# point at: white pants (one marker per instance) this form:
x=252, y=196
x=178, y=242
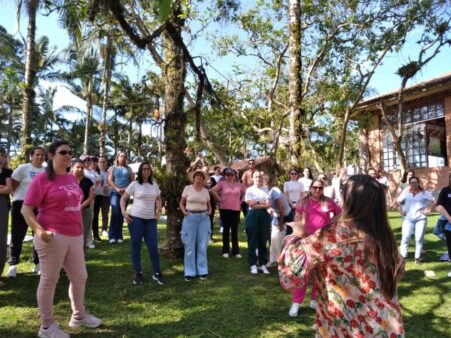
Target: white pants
x=277, y=237
x=408, y=227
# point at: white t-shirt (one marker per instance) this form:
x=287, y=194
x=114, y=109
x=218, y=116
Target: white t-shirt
x=383, y=180
x=294, y=189
x=414, y=204
x=24, y=174
x=92, y=175
x=307, y=182
x=144, y=197
x=256, y=194
x=103, y=183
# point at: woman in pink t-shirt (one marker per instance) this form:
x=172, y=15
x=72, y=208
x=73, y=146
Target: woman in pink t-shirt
x=58, y=239
x=317, y=211
x=229, y=193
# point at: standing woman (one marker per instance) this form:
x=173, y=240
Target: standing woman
x=142, y=221
x=316, y=209
x=229, y=194
x=120, y=176
x=87, y=187
x=196, y=208
x=307, y=179
x=21, y=179
x=416, y=201
x=5, y=190
x=355, y=264
x=102, y=201
x=58, y=239
x=293, y=191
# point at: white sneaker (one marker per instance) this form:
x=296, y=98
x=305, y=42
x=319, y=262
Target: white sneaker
x=104, y=234
x=112, y=241
x=254, y=270
x=12, y=271
x=225, y=255
x=87, y=321
x=313, y=304
x=238, y=256
x=294, y=310
x=449, y=274
x=120, y=240
x=221, y=230
x=36, y=269
x=52, y=331
x=91, y=246
x=263, y=269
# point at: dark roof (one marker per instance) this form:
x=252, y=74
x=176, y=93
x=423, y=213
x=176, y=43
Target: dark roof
x=243, y=165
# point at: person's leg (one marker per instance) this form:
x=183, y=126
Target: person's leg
x=225, y=215
x=86, y=217
x=51, y=258
x=244, y=209
x=18, y=231
x=4, y=214
x=115, y=211
x=407, y=229
x=252, y=233
x=95, y=217
x=105, y=206
x=203, y=235
x=75, y=267
x=136, y=229
x=298, y=294
x=447, y=234
x=420, y=230
x=276, y=243
x=189, y=235
x=234, y=222
x=263, y=236
x=120, y=222
x=151, y=238
x=212, y=216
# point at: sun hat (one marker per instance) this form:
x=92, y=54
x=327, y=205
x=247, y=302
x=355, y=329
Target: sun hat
x=192, y=173
x=85, y=157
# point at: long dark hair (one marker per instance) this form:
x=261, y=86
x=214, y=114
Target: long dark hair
x=33, y=150
x=323, y=199
x=310, y=175
x=364, y=207
x=404, y=176
x=140, y=173
x=52, y=150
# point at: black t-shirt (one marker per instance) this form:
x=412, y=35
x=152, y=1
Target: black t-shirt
x=444, y=199
x=85, y=185
x=6, y=172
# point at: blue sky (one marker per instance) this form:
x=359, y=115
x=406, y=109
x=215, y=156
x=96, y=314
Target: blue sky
x=384, y=80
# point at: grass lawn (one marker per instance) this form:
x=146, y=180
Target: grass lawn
x=230, y=303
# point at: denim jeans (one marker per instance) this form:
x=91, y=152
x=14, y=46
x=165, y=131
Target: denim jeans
x=117, y=220
x=408, y=227
x=146, y=228
x=195, y=235
x=257, y=229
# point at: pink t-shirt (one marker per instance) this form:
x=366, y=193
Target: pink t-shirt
x=316, y=214
x=231, y=197
x=58, y=203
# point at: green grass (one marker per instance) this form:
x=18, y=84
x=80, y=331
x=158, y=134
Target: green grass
x=230, y=303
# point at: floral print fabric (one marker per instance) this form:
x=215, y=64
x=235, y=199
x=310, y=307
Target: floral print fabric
x=350, y=300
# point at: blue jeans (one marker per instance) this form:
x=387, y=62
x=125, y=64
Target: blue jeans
x=408, y=227
x=195, y=235
x=117, y=220
x=146, y=228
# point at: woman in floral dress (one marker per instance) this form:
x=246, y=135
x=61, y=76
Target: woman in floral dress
x=355, y=264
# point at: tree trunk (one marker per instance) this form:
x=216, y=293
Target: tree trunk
x=88, y=119
x=295, y=80
x=175, y=140
x=106, y=92
x=30, y=75
x=129, y=134
x=10, y=127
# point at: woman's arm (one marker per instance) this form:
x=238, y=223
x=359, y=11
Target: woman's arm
x=122, y=203
x=14, y=185
x=159, y=207
x=215, y=192
x=182, y=206
x=7, y=188
x=91, y=197
x=29, y=216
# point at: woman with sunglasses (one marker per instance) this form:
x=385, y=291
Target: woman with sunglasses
x=317, y=211
x=58, y=239
x=418, y=202
x=229, y=193
x=355, y=264
x=293, y=190
x=142, y=221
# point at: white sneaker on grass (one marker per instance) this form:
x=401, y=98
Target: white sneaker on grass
x=120, y=240
x=87, y=321
x=254, y=270
x=90, y=246
x=225, y=255
x=294, y=310
x=263, y=269
x=313, y=304
x=53, y=331
x=12, y=271
x=36, y=269
x=104, y=234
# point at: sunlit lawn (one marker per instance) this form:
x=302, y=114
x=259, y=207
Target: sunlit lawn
x=231, y=303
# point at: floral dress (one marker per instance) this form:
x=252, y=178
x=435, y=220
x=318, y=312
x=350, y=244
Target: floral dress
x=350, y=299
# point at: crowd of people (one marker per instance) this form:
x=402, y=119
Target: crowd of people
x=320, y=231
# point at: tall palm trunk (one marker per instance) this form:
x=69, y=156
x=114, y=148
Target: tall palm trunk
x=10, y=126
x=106, y=92
x=88, y=118
x=295, y=81
x=30, y=75
x=175, y=142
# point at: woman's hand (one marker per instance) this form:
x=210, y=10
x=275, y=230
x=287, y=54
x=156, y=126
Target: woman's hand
x=46, y=236
x=127, y=217
x=157, y=214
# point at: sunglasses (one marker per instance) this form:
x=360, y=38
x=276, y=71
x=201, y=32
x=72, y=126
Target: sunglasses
x=251, y=163
x=64, y=152
x=317, y=188
x=293, y=173
x=229, y=174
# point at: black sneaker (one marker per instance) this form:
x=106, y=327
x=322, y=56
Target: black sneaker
x=159, y=278
x=138, y=279
x=203, y=277
x=188, y=278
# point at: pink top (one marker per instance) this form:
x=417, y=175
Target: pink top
x=231, y=197
x=58, y=203
x=316, y=214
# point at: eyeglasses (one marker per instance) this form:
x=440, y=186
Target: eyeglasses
x=293, y=173
x=64, y=152
x=321, y=178
x=251, y=163
x=414, y=182
x=145, y=169
x=229, y=174
x=317, y=188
